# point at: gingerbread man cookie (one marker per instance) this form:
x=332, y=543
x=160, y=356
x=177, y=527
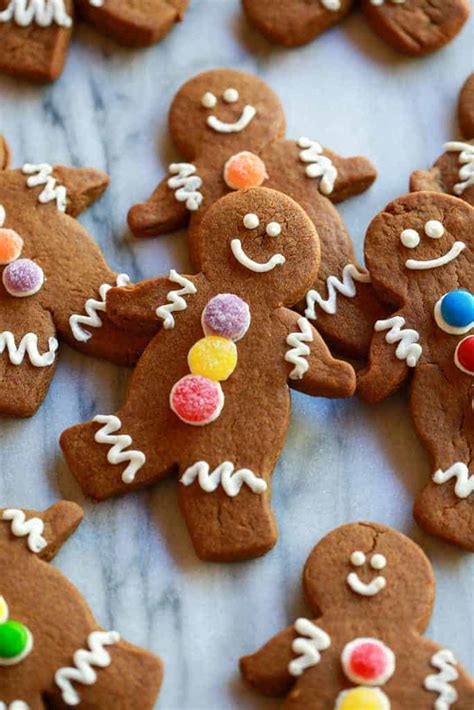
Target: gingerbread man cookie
x=53, y=282
x=371, y=591
x=35, y=34
x=209, y=397
x=229, y=126
x=453, y=172
x=52, y=652
x=420, y=251
x=410, y=26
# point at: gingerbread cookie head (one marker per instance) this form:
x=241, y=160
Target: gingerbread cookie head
x=50, y=645
x=419, y=246
x=416, y=27
x=225, y=110
x=365, y=569
x=261, y=242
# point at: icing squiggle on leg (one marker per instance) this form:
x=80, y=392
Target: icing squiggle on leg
x=464, y=483
x=28, y=346
x=225, y=474
x=93, y=307
x=346, y=288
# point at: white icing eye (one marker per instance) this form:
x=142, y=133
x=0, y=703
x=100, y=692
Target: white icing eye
x=208, y=100
x=410, y=238
x=378, y=561
x=251, y=221
x=273, y=229
x=230, y=96
x=434, y=229
x=358, y=559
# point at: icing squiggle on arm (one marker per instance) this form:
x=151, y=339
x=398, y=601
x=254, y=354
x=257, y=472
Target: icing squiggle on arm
x=93, y=307
x=186, y=185
x=43, y=13
x=120, y=442
x=464, y=483
x=466, y=161
x=175, y=298
x=299, y=350
x=84, y=660
x=440, y=683
x=225, y=474
x=42, y=175
x=32, y=528
x=28, y=346
x=346, y=288
x=319, y=165
x=309, y=647
x=408, y=348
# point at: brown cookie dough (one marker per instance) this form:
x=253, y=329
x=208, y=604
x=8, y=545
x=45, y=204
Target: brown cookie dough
x=230, y=128
x=53, y=282
x=371, y=591
x=295, y=22
x=420, y=254
x=210, y=398
x=453, y=172
x=52, y=652
x=417, y=27
x=4, y=154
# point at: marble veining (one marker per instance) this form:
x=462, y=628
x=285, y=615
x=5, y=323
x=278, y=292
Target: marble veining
x=343, y=461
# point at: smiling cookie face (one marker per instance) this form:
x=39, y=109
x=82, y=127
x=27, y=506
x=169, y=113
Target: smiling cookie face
x=364, y=569
x=263, y=241
x=422, y=238
x=225, y=108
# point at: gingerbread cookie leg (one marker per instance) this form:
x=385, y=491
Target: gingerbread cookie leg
x=446, y=426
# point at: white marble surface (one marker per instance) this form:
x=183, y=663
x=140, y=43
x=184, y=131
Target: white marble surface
x=343, y=461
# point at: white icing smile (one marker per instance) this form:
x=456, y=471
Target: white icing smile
x=247, y=115
x=452, y=254
x=242, y=258
x=377, y=562
x=434, y=229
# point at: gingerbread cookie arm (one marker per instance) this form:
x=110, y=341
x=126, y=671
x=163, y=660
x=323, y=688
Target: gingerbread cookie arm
x=267, y=670
x=313, y=370
x=354, y=176
x=4, y=154
x=466, y=108
x=84, y=186
x=42, y=534
x=160, y=214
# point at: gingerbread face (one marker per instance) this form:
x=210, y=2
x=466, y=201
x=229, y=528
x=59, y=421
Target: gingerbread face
x=223, y=109
x=424, y=238
x=260, y=241
x=364, y=569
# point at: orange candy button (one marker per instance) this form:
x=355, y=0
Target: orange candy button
x=244, y=170
x=11, y=245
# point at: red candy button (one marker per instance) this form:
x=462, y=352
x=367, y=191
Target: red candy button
x=197, y=400
x=464, y=356
x=368, y=661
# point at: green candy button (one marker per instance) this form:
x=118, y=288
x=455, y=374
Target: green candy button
x=13, y=639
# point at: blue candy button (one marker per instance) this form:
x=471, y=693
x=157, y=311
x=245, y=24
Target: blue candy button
x=457, y=309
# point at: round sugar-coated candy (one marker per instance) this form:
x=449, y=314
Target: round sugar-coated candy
x=457, y=308
x=213, y=357
x=23, y=278
x=14, y=641
x=11, y=246
x=362, y=699
x=464, y=357
x=368, y=661
x=244, y=170
x=226, y=315
x=197, y=400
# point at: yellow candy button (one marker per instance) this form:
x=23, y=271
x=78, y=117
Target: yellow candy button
x=363, y=699
x=213, y=357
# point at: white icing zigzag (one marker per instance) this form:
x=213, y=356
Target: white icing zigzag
x=3, y=215
x=28, y=346
x=346, y=288
x=42, y=12
x=177, y=303
x=407, y=339
x=42, y=175
x=119, y=442
x=464, y=484
x=15, y=705
x=225, y=474
x=440, y=682
x=319, y=165
x=93, y=307
x=299, y=350
x=308, y=648
x=186, y=185
x=33, y=528
x=466, y=160
x=83, y=661
x=333, y=5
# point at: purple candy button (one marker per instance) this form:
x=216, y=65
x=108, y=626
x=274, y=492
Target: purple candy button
x=226, y=315
x=23, y=278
